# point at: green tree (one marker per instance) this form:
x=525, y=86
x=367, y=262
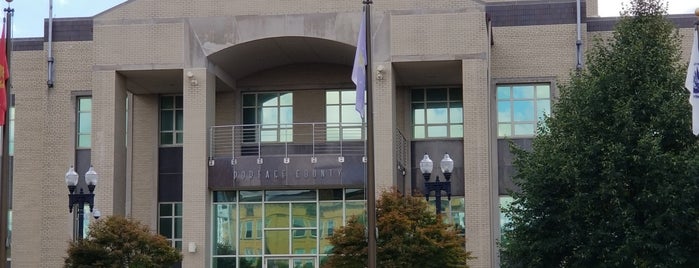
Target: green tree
x=612, y=180
x=120, y=242
x=410, y=235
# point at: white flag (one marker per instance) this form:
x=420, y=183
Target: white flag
x=692, y=84
x=359, y=68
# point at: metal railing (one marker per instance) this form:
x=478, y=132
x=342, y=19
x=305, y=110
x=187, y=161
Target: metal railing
x=287, y=139
x=401, y=150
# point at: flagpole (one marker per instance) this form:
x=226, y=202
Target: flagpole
x=5, y=165
x=371, y=186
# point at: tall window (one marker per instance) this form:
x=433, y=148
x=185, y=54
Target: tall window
x=521, y=107
x=84, y=131
x=437, y=113
x=170, y=223
x=269, y=115
x=343, y=121
x=171, y=120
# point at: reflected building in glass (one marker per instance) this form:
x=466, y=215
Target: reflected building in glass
x=230, y=127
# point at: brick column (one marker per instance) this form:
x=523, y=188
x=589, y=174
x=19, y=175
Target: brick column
x=199, y=113
x=477, y=155
x=384, y=126
x=144, y=159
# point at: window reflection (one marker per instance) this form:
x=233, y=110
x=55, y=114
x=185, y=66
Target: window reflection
x=250, y=228
x=273, y=112
x=277, y=215
x=224, y=229
x=523, y=111
x=84, y=124
x=277, y=242
x=344, y=122
x=505, y=203
x=523, y=92
x=330, y=213
x=436, y=112
x=170, y=222
x=254, y=226
x=521, y=107
x=171, y=120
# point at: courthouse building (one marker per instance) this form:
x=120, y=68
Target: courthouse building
x=229, y=126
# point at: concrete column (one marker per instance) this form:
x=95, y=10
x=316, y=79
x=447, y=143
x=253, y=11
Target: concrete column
x=109, y=141
x=199, y=114
x=477, y=155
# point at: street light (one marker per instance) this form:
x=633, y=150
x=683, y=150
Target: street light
x=447, y=166
x=80, y=199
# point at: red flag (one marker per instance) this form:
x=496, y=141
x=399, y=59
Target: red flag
x=4, y=75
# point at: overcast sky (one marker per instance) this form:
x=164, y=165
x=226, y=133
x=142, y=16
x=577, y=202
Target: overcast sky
x=28, y=20
x=611, y=8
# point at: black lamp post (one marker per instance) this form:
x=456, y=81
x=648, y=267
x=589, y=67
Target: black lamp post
x=79, y=200
x=447, y=166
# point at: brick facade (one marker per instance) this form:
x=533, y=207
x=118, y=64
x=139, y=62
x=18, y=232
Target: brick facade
x=144, y=48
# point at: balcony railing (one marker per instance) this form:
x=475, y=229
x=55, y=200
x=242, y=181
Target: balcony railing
x=233, y=141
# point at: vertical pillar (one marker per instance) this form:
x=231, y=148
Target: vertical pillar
x=384, y=126
x=144, y=159
x=109, y=141
x=477, y=170
x=199, y=113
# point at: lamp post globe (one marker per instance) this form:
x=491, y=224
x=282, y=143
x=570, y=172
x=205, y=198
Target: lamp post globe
x=447, y=166
x=71, y=179
x=78, y=199
x=426, y=166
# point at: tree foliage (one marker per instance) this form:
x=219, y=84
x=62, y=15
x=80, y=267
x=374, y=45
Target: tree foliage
x=120, y=242
x=410, y=235
x=612, y=177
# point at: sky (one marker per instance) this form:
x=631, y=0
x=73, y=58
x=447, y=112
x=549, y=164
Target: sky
x=28, y=20
x=611, y=8
x=29, y=15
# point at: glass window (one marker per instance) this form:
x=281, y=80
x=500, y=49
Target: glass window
x=457, y=211
x=505, y=202
x=520, y=107
x=171, y=120
x=277, y=215
x=291, y=195
x=355, y=209
x=250, y=218
x=329, y=214
x=250, y=226
x=437, y=113
x=330, y=194
x=84, y=122
x=271, y=114
x=343, y=121
x=277, y=241
x=170, y=222
x=250, y=196
x=224, y=228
